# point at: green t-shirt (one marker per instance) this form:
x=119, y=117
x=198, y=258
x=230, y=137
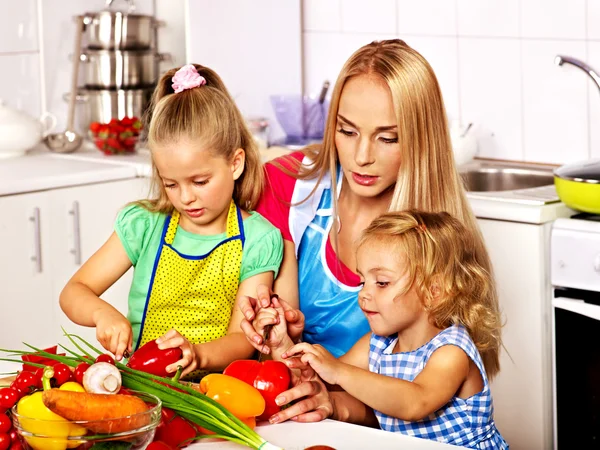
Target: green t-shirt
x=140, y=232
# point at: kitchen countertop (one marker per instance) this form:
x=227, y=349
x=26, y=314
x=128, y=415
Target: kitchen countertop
x=339, y=435
x=42, y=171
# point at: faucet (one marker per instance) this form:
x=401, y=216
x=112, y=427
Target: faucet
x=559, y=60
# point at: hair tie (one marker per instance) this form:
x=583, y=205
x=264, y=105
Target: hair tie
x=187, y=77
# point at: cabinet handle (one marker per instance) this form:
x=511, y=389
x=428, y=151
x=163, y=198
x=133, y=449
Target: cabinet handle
x=76, y=250
x=37, y=239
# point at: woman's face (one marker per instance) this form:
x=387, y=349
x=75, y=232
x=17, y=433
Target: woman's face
x=366, y=136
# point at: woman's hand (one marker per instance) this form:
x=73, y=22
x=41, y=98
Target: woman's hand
x=316, y=356
x=250, y=306
x=278, y=340
x=173, y=339
x=313, y=399
x=113, y=331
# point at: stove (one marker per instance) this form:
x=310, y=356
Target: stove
x=575, y=277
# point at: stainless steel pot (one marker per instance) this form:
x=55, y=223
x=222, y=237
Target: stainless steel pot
x=103, y=105
x=107, y=69
x=114, y=30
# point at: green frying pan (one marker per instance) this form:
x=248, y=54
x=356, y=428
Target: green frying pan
x=578, y=185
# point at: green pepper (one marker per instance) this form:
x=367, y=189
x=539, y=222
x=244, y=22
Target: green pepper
x=38, y=419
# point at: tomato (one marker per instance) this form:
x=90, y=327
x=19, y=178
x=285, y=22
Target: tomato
x=26, y=382
x=79, y=371
x=16, y=445
x=106, y=358
x=4, y=441
x=8, y=397
x=62, y=374
x=5, y=423
x=14, y=436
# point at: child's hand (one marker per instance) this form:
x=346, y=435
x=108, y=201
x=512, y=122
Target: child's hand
x=113, y=331
x=278, y=340
x=173, y=339
x=324, y=363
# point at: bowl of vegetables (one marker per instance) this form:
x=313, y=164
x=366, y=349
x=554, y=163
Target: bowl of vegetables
x=125, y=421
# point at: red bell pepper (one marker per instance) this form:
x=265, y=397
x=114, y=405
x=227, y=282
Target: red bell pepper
x=150, y=359
x=271, y=378
x=39, y=359
x=174, y=430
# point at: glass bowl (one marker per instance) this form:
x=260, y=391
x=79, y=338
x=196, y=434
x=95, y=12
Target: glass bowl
x=37, y=434
x=114, y=145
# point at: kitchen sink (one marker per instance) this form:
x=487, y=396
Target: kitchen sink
x=499, y=176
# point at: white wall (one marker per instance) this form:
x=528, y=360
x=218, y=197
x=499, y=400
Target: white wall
x=494, y=61
x=37, y=41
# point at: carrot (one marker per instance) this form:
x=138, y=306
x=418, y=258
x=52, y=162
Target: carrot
x=106, y=413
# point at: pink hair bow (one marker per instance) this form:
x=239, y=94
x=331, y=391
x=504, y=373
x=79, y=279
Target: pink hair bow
x=187, y=77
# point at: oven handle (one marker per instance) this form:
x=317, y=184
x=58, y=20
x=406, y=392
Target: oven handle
x=578, y=307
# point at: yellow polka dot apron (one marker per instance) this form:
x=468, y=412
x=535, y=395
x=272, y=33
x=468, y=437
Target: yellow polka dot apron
x=194, y=294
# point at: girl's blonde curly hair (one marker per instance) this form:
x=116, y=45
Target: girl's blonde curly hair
x=440, y=254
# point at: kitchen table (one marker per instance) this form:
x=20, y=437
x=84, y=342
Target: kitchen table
x=339, y=435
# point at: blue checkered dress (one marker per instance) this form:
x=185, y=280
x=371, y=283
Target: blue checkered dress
x=465, y=422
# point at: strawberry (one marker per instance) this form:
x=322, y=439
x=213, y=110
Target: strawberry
x=95, y=127
x=126, y=121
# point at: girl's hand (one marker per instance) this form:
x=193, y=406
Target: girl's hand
x=324, y=363
x=173, y=339
x=278, y=340
x=312, y=399
x=113, y=331
x=250, y=307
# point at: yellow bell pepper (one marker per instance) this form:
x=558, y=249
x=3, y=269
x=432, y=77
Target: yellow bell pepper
x=241, y=399
x=38, y=419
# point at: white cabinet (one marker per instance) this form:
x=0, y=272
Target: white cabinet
x=71, y=225
x=523, y=389
x=25, y=278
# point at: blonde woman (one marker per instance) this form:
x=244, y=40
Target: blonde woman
x=195, y=247
x=386, y=148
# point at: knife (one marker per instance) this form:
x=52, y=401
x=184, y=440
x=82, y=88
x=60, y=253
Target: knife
x=267, y=331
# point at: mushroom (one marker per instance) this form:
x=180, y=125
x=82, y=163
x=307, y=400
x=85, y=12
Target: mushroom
x=102, y=378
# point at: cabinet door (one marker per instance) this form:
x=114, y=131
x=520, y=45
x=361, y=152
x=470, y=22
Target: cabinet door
x=83, y=219
x=523, y=389
x=28, y=313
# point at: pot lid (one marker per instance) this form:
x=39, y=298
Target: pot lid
x=585, y=171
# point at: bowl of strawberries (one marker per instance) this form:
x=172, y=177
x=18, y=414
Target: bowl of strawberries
x=119, y=136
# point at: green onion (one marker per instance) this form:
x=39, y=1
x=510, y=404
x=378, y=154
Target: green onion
x=189, y=404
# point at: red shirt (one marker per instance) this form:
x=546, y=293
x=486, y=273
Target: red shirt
x=275, y=206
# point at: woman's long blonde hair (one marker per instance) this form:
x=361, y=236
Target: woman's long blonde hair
x=427, y=179
x=441, y=257
x=208, y=114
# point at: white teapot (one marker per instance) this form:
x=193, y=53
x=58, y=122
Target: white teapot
x=20, y=132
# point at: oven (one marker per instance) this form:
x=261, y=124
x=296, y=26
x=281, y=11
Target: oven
x=575, y=276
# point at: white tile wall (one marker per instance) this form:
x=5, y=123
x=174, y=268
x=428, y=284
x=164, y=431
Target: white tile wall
x=359, y=16
x=427, y=17
x=490, y=88
x=553, y=19
x=494, y=61
x=498, y=18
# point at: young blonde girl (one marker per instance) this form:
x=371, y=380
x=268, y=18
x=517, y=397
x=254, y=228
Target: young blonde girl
x=195, y=247
x=426, y=298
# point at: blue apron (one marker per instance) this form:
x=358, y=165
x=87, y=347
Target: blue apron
x=333, y=317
